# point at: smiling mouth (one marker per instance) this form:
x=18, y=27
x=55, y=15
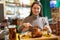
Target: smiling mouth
x=36, y=13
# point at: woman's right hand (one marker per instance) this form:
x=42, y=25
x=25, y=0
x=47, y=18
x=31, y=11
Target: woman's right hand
x=27, y=24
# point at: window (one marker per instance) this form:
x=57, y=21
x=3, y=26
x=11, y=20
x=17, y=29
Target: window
x=19, y=9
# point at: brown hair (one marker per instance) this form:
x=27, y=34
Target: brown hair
x=40, y=14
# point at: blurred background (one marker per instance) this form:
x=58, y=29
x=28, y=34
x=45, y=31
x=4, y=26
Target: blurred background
x=14, y=11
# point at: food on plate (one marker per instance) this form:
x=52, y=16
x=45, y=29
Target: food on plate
x=26, y=35
x=46, y=34
x=36, y=32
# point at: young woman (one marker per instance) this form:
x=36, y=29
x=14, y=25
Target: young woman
x=35, y=19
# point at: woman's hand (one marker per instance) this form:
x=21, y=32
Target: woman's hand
x=45, y=28
x=26, y=26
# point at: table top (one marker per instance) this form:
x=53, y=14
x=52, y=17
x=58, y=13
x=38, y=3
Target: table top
x=53, y=37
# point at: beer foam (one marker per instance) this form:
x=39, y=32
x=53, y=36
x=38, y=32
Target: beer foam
x=12, y=26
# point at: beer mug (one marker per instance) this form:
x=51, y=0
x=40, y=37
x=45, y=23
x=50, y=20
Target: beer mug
x=12, y=32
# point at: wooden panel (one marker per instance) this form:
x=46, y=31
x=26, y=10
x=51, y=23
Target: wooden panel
x=53, y=28
x=1, y=12
x=58, y=28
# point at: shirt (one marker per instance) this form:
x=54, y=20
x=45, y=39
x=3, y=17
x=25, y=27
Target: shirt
x=36, y=20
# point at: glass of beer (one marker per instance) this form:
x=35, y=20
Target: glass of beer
x=12, y=32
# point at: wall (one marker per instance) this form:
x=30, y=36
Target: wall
x=1, y=12
x=46, y=8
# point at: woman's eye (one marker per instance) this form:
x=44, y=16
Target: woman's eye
x=37, y=8
x=34, y=8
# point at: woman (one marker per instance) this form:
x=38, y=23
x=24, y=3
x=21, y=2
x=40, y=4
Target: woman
x=35, y=19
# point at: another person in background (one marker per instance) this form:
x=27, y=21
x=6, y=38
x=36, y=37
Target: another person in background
x=4, y=23
x=35, y=19
x=3, y=26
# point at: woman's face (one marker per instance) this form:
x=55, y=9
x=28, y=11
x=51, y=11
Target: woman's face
x=36, y=9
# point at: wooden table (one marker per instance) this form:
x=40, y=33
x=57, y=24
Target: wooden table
x=41, y=38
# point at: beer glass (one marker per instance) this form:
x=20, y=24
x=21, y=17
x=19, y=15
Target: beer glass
x=12, y=32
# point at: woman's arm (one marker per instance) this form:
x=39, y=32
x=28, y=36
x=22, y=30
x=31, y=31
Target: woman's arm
x=20, y=28
x=47, y=24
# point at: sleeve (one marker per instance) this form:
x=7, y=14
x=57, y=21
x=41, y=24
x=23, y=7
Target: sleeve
x=20, y=28
x=26, y=20
x=47, y=24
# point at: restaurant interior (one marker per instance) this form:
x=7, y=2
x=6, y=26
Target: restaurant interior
x=13, y=12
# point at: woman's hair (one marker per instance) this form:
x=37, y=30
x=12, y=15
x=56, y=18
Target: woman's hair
x=40, y=14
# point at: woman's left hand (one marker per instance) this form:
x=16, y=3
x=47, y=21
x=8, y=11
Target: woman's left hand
x=45, y=28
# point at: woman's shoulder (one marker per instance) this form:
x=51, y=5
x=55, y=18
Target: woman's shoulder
x=43, y=17
x=27, y=18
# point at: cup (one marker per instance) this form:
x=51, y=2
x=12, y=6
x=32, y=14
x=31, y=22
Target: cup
x=12, y=32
